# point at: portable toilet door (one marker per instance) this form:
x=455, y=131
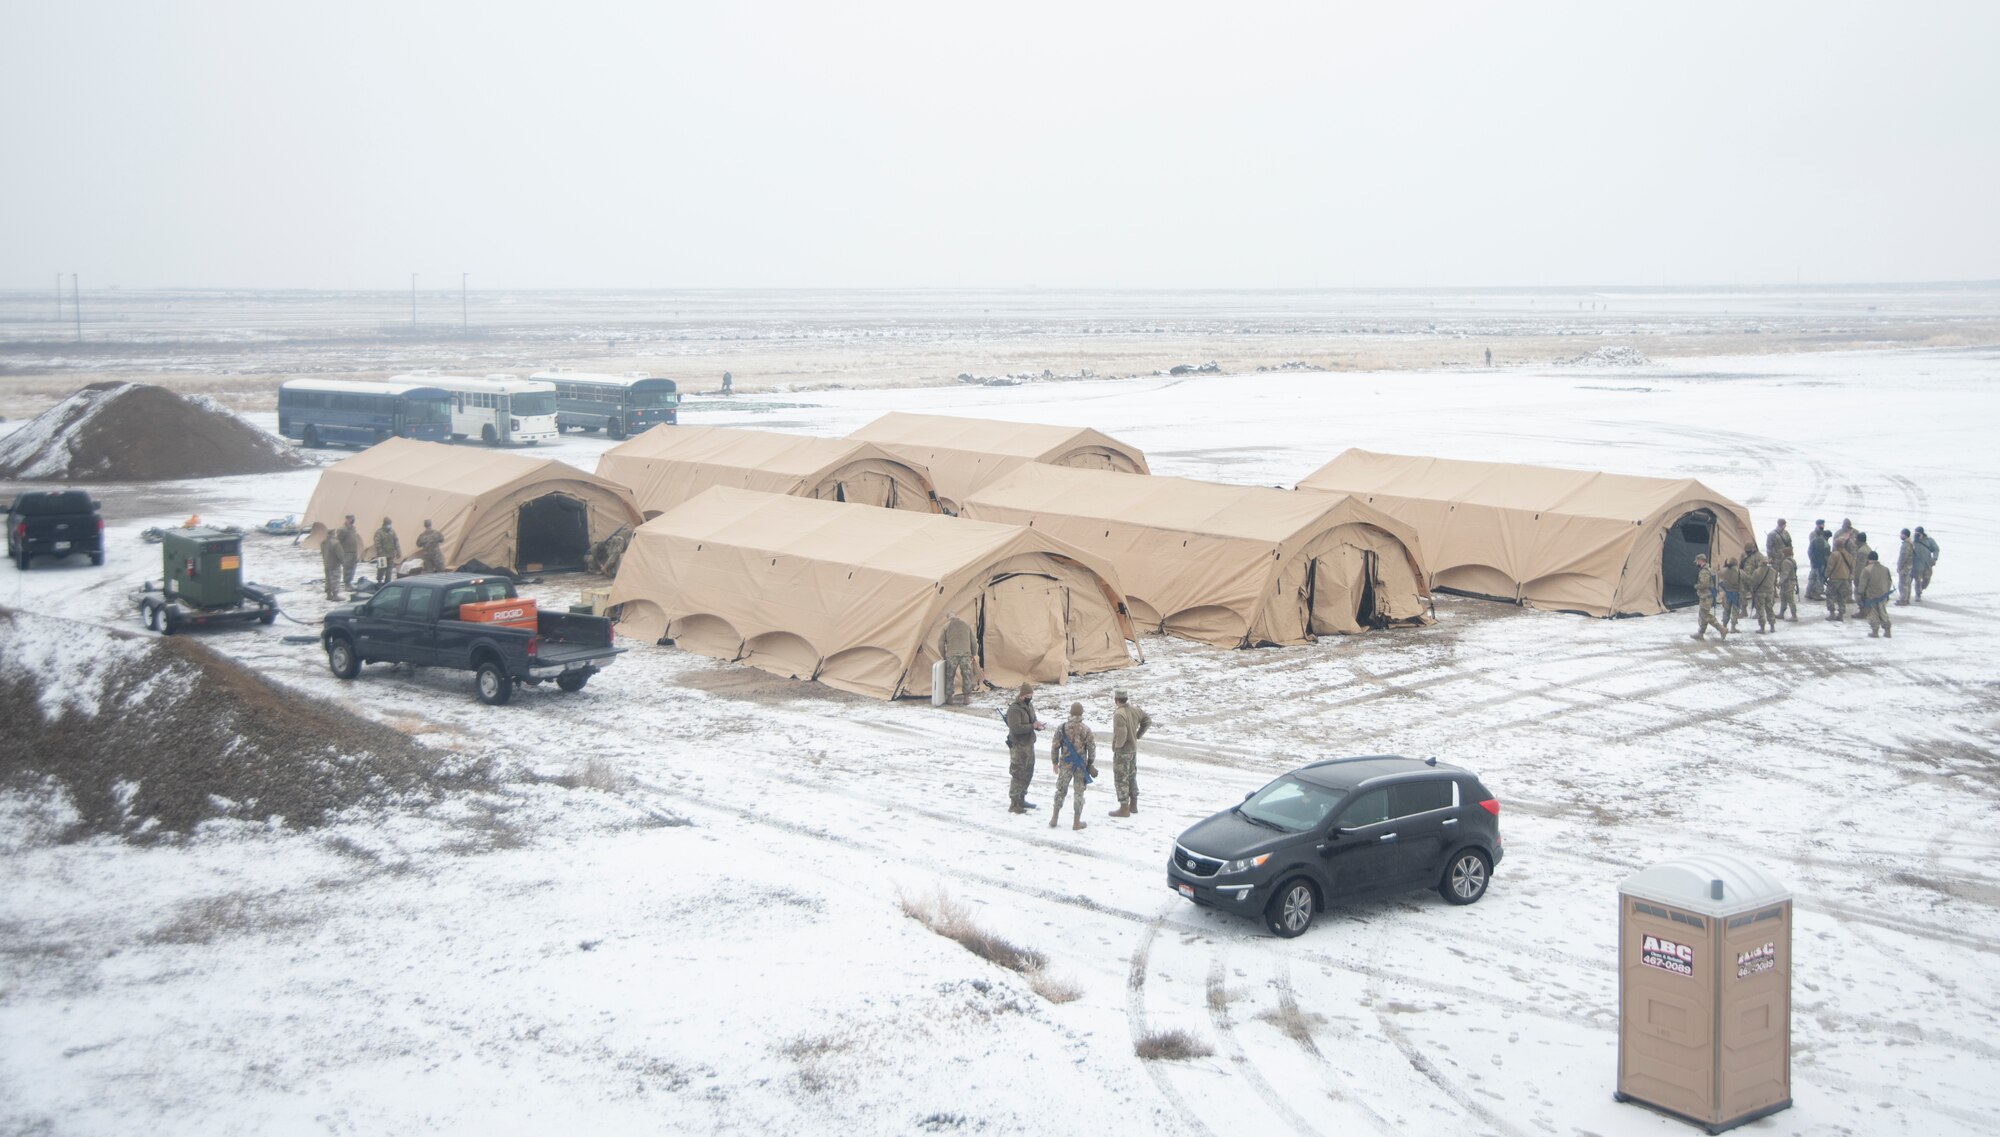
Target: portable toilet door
x=1704, y=990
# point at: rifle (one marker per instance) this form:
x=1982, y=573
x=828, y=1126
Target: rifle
x=1072, y=757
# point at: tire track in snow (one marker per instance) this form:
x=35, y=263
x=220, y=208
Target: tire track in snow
x=1299, y=1030
x=1135, y=1020
x=1225, y=1029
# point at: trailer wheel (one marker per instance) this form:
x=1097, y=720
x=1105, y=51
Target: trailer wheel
x=572, y=680
x=493, y=684
x=168, y=625
x=269, y=617
x=340, y=658
x=152, y=614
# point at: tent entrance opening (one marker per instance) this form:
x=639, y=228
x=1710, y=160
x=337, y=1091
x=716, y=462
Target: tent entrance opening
x=553, y=535
x=1024, y=629
x=1341, y=594
x=1691, y=535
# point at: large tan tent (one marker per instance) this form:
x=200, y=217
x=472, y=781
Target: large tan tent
x=667, y=465
x=964, y=454
x=501, y=510
x=855, y=597
x=1569, y=540
x=1233, y=566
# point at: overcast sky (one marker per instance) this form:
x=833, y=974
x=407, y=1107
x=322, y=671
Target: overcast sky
x=1156, y=144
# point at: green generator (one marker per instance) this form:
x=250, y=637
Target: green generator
x=202, y=583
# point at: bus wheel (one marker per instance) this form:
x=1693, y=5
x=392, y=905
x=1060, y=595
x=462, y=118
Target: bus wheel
x=311, y=439
x=487, y=436
x=616, y=429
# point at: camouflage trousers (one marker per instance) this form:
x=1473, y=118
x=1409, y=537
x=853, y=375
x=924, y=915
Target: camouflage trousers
x=958, y=670
x=1067, y=776
x=1904, y=579
x=433, y=560
x=1766, y=621
x=1923, y=582
x=1125, y=775
x=1788, y=602
x=1838, y=593
x=1878, y=618
x=1816, y=584
x=1708, y=621
x=332, y=570
x=1020, y=771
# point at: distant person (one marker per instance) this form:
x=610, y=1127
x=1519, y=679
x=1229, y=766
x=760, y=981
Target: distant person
x=1129, y=724
x=606, y=555
x=331, y=562
x=430, y=547
x=1705, y=585
x=388, y=553
x=1760, y=581
x=955, y=647
x=1489, y=357
x=349, y=539
x=1073, y=751
x=1926, y=552
x=1817, y=547
x=1788, y=587
x=1779, y=538
x=1021, y=727
x=1731, y=580
x=1839, y=579
x=1876, y=588
x=1906, y=569
x=728, y=383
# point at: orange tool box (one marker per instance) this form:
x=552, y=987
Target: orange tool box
x=518, y=613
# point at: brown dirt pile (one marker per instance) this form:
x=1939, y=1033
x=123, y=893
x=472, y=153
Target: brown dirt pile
x=149, y=737
x=135, y=432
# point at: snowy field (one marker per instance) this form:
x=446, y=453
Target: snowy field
x=706, y=936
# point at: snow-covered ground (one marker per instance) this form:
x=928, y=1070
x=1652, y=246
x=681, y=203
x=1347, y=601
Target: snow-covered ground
x=705, y=935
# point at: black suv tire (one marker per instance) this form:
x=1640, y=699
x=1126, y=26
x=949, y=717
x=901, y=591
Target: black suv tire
x=1466, y=877
x=1291, y=909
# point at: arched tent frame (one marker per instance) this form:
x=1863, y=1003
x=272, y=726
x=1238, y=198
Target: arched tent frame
x=855, y=597
x=1232, y=566
x=668, y=465
x=472, y=496
x=1567, y=540
x=965, y=454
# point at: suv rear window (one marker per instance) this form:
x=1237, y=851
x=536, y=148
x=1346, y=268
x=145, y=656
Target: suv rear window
x=1419, y=797
x=59, y=501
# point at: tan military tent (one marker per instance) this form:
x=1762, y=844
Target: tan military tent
x=964, y=454
x=501, y=510
x=1570, y=540
x=1233, y=566
x=855, y=597
x=667, y=465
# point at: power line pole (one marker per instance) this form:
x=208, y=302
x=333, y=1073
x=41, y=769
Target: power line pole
x=464, y=306
x=76, y=305
x=59, y=298
x=413, y=301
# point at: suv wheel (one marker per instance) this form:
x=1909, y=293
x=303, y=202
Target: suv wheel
x=1290, y=911
x=1466, y=878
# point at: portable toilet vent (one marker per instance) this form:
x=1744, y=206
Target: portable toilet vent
x=1704, y=991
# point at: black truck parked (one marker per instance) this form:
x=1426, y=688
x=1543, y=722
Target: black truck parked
x=54, y=523
x=470, y=622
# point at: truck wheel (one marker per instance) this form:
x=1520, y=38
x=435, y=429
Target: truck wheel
x=493, y=684
x=340, y=658
x=311, y=438
x=572, y=680
x=616, y=430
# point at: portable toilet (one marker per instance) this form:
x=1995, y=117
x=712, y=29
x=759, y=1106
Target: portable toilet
x=203, y=567
x=1704, y=991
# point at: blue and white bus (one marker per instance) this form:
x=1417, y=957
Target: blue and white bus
x=499, y=410
x=320, y=412
x=620, y=405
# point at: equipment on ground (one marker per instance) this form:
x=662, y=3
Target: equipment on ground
x=202, y=583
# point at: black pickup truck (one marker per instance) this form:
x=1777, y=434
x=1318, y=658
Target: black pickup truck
x=54, y=523
x=416, y=620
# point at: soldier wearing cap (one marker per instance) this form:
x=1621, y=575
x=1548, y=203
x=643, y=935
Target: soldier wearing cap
x=1073, y=753
x=1129, y=724
x=430, y=546
x=955, y=645
x=1818, y=547
x=1704, y=598
x=1021, y=727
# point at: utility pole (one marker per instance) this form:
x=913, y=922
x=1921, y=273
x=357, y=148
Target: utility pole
x=464, y=307
x=413, y=301
x=59, y=298
x=76, y=305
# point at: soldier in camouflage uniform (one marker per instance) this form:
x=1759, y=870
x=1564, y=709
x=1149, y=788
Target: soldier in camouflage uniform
x=1927, y=555
x=1731, y=580
x=605, y=555
x=1817, y=547
x=1761, y=581
x=955, y=646
x=1129, y=724
x=1779, y=539
x=1906, y=569
x=331, y=560
x=1073, y=752
x=1021, y=727
x=389, y=551
x=1863, y=553
x=1876, y=586
x=1788, y=588
x=349, y=540
x=430, y=547
x=1704, y=598
x=1839, y=579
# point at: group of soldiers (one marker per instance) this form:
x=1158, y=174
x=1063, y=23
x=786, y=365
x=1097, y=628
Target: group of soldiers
x=340, y=551
x=1844, y=571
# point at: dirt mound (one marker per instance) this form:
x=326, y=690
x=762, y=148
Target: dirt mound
x=136, y=432
x=150, y=737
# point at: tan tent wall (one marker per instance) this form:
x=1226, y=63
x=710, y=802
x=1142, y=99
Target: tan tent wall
x=1568, y=540
x=472, y=496
x=964, y=454
x=1233, y=566
x=668, y=465
x=855, y=597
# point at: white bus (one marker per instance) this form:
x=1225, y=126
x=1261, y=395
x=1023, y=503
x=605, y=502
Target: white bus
x=499, y=410
x=619, y=405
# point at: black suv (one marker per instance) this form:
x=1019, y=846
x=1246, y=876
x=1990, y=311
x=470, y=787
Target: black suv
x=1338, y=830
x=54, y=523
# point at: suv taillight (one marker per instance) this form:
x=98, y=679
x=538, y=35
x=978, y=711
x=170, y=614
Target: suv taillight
x=1491, y=805
x=100, y=525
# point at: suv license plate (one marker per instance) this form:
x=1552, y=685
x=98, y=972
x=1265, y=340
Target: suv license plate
x=1186, y=890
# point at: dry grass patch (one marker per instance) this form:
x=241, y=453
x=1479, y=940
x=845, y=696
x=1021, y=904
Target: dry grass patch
x=950, y=918
x=1171, y=1046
